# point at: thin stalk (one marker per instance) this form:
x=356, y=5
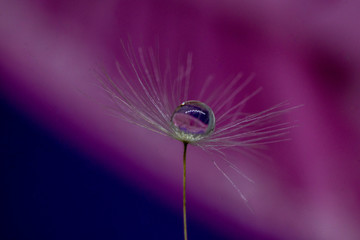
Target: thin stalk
x=184, y=192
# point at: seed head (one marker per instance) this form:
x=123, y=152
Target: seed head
x=152, y=97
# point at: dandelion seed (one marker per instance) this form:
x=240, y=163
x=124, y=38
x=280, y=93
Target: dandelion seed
x=153, y=98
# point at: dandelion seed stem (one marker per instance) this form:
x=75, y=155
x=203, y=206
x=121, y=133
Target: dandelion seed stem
x=184, y=191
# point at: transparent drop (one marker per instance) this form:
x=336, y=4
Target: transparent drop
x=192, y=121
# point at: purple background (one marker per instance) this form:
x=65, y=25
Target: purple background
x=63, y=150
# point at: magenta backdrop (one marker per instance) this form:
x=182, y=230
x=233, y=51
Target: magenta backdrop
x=306, y=52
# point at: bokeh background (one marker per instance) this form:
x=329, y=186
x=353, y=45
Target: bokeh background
x=69, y=170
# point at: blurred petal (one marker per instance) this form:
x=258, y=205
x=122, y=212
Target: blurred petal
x=305, y=52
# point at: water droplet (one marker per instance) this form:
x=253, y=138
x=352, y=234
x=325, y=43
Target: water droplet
x=192, y=121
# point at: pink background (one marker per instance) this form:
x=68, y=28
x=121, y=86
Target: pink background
x=306, y=52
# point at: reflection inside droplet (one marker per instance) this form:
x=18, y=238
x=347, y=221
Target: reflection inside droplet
x=193, y=120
